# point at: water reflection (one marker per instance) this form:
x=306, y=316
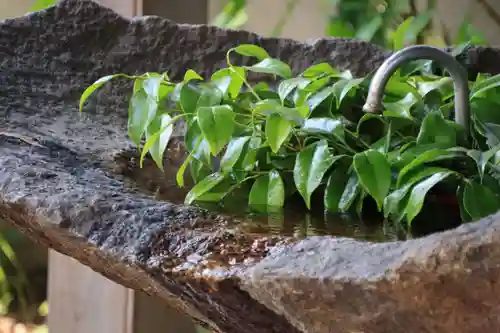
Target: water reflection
x=296, y=222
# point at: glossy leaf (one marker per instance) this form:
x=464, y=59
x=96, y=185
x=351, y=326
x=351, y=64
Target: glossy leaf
x=268, y=191
x=334, y=189
x=229, y=80
x=249, y=159
x=191, y=75
x=273, y=107
x=350, y=192
x=142, y=110
x=479, y=200
x=151, y=86
x=311, y=164
x=161, y=123
x=179, y=176
x=196, y=144
x=444, y=84
x=323, y=125
x=394, y=203
x=316, y=99
x=94, y=86
x=485, y=85
x=203, y=187
x=432, y=155
x=482, y=158
x=277, y=131
x=401, y=108
x=192, y=97
x=272, y=66
x=251, y=50
x=287, y=86
x=217, y=125
x=436, y=130
x=233, y=152
x=343, y=87
x=374, y=174
x=320, y=69
x=418, y=193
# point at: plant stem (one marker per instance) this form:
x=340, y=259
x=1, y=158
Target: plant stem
x=290, y=7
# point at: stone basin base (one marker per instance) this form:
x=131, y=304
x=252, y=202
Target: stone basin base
x=64, y=182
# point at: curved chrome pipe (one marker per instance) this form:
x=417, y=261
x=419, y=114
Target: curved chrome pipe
x=422, y=52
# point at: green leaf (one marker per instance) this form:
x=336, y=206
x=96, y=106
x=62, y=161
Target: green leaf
x=401, y=108
x=338, y=28
x=233, y=153
x=160, y=123
x=374, y=174
x=217, y=125
x=482, y=158
x=394, y=203
x=417, y=26
x=193, y=97
x=343, y=87
x=191, y=75
x=418, y=193
x=277, y=131
x=324, y=125
x=485, y=85
x=479, y=201
x=334, y=189
x=436, y=130
x=151, y=86
x=229, y=80
x=316, y=99
x=179, y=176
x=350, y=192
x=444, y=84
x=272, y=66
x=94, y=86
x=311, y=164
x=251, y=50
x=250, y=154
x=268, y=191
x=320, y=69
x=203, y=187
x=42, y=4
x=399, y=37
x=368, y=30
x=196, y=144
x=142, y=110
x=273, y=107
x=432, y=155
x=287, y=86
x=232, y=16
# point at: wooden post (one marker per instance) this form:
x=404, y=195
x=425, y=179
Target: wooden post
x=83, y=301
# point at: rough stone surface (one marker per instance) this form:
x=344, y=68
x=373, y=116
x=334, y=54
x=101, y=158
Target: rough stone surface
x=65, y=181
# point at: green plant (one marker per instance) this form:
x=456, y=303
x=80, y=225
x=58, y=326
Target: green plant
x=310, y=136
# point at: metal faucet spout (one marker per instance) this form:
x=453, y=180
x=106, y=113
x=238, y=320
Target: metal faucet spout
x=420, y=52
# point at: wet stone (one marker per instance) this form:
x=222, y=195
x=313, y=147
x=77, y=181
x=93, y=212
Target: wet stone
x=71, y=182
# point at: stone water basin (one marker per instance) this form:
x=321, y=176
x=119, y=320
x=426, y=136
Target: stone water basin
x=68, y=181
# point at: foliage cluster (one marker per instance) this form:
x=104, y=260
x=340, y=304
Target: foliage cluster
x=311, y=136
x=375, y=21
